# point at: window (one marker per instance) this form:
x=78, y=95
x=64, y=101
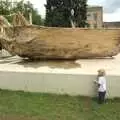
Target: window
x=95, y=16
x=89, y=16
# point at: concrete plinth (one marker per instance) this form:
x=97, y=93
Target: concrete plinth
x=60, y=77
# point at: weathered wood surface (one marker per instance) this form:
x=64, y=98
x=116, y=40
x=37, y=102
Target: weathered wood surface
x=61, y=43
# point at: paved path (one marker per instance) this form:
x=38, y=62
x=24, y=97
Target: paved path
x=88, y=66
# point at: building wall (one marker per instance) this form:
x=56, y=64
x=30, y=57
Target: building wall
x=57, y=83
x=95, y=16
x=111, y=24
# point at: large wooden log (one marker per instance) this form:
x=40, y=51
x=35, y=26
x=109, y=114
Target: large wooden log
x=61, y=43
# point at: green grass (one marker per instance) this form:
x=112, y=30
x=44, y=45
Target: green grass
x=56, y=107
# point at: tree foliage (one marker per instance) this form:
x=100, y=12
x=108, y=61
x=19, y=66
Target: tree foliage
x=7, y=8
x=59, y=13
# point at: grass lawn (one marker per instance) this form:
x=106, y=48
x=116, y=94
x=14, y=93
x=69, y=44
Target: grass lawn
x=37, y=106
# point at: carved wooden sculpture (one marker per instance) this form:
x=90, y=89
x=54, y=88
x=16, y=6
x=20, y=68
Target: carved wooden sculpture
x=36, y=42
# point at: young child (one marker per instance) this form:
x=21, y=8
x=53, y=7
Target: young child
x=101, y=82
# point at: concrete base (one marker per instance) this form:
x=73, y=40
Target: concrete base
x=57, y=83
x=55, y=77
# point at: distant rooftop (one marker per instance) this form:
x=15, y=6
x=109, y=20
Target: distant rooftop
x=92, y=6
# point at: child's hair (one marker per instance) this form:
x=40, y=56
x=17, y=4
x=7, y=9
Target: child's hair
x=101, y=72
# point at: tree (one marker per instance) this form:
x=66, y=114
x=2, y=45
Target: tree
x=26, y=9
x=57, y=15
x=80, y=8
x=7, y=8
x=64, y=13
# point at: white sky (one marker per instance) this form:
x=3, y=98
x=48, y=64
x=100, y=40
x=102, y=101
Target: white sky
x=115, y=16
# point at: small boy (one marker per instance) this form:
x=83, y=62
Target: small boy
x=101, y=82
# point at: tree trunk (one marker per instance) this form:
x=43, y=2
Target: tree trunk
x=61, y=43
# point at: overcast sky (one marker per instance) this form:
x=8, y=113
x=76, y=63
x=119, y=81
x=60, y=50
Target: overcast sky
x=111, y=8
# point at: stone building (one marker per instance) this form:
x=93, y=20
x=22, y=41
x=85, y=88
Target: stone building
x=112, y=24
x=95, y=16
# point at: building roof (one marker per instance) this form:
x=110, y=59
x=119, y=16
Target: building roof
x=94, y=6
